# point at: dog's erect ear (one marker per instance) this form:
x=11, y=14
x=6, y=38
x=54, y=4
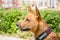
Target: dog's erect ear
x=36, y=12
x=29, y=8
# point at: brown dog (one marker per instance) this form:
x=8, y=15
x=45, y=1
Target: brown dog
x=35, y=23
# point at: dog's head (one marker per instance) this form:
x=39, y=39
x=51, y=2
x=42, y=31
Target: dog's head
x=31, y=21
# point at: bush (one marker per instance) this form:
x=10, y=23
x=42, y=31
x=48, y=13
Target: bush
x=52, y=18
x=9, y=18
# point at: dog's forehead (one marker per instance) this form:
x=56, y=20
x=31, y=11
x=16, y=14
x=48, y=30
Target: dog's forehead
x=30, y=16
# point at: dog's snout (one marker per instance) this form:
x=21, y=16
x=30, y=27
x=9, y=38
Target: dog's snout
x=17, y=24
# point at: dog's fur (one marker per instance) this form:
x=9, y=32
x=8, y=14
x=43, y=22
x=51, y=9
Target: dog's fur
x=36, y=24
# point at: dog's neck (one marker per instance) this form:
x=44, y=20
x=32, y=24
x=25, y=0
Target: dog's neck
x=43, y=26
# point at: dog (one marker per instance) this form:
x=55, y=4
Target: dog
x=35, y=23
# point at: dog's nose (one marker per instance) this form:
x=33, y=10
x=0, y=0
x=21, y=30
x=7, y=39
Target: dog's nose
x=17, y=24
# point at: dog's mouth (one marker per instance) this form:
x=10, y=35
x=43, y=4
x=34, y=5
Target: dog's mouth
x=23, y=29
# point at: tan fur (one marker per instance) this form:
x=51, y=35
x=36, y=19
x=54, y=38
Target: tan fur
x=37, y=24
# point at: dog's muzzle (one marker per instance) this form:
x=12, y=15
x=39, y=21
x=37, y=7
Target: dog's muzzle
x=22, y=29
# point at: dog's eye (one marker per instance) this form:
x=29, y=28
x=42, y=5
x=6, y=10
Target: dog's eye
x=27, y=20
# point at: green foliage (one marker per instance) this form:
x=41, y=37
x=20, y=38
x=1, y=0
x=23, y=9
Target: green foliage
x=9, y=18
x=52, y=18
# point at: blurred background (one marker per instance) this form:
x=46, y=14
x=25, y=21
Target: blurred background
x=11, y=11
x=20, y=3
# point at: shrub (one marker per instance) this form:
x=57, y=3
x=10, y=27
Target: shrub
x=52, y=18
x=9, y=18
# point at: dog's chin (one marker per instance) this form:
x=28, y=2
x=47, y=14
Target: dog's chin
x=24, y=29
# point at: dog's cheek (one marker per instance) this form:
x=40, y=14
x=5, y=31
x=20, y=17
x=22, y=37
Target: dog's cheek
x=33, y=25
